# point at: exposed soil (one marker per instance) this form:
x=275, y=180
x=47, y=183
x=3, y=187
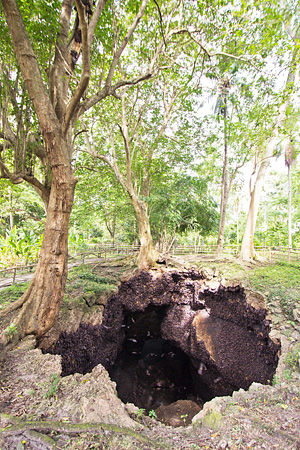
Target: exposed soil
x=170, y=335
x=219, y=331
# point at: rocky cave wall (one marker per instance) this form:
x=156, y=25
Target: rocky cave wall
x=214, y=338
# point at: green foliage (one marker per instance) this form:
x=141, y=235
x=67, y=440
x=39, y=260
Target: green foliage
x=280, y=281
x=15, y=249
x=54, y=386
x=94, y=278
x=12, y=293
x=84, y=284
x=152, y=414
x=184, y=417
x=254, y=33
x=292, y=358
x=11, y=330
x=100, y=208
x=76, y=242
x=140, y=412
x=181, y=203
x=289, y=299
x=287, y=274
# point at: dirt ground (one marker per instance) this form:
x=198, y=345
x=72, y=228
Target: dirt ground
x=41, y=410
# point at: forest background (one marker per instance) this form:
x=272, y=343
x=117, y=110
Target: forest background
x=166, y=117
x=208, y=90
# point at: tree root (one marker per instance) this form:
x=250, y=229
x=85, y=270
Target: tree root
x=39, y=438
x=33, y=429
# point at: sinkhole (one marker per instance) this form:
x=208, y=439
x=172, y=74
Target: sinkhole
x=151, y=371
x=170, y=335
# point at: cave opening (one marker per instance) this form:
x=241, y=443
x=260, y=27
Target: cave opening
x=151, y=371
x=167, y=337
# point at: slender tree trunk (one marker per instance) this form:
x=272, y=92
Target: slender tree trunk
x=237, y=210
x=247, y=249
x=11, y=215
x=147, y=255
x=290, y=206
x=224, y=188
x=223, y=208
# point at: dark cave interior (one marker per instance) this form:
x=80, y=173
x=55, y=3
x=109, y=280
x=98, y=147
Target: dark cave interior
x=169, y=337
x=151, y=371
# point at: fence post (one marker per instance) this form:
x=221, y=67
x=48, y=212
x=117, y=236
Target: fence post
x=14, y=275
x=105, y=254
x=289, y=254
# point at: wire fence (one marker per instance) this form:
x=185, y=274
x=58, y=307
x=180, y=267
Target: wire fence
x=105, y=252
x=272, y=253
x=98, y=253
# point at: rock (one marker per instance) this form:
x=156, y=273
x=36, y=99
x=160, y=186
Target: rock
x=102, y=299
x=132, y=409
x=255, y=387
x=210, y=416
x=212, y=285
x=178, y=414
x=207, y=273
x=223, y=445
x=295, y=335
x=47, y=395
x=255, y=298
x=90, y=398
x=296, y=315
x=98, y=299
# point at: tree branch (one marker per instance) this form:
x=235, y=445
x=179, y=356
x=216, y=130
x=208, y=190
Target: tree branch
x=86, y=69
x=211, y=55
x=48, y=121
x=94, y=20
x=109, y=89
x=106, y=91
x=58, y=82
x=160, y=21
x=18, y=178
x=124, y=43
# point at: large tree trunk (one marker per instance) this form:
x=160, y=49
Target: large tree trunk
x=36, y=311
x=57, y=110
x=148, y=256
